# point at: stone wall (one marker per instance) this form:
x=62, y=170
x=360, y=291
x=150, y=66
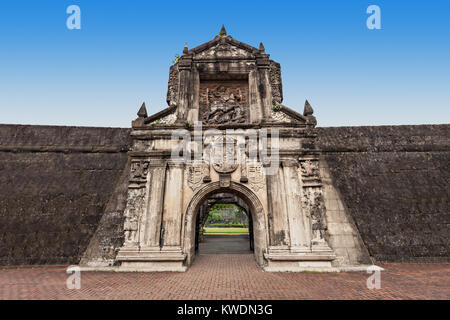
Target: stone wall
x=54, y=185
x=63, y=189
x=394, y=182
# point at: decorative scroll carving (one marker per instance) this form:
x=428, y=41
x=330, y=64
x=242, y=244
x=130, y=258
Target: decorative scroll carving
x=309, y=168
x=242, y=160
x=225, y=154
x=313, y=203
x=223, y=50
x=139, y=171
x=195, y=174
x=280, y=116
x=135, y=206
x=255, y=176
x=169, y=119
x=275, y=83
x=135, y=200
x=224, y=102
x=172, y=91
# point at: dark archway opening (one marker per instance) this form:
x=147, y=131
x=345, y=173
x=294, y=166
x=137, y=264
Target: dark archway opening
x=224, y=224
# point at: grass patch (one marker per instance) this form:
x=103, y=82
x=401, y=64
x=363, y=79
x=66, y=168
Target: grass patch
x=224, y=230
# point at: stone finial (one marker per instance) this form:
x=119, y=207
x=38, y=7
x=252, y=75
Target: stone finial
x=222, y=31
x=261, y=48
x=142, y=113
x=185, y=49
x=308, y=111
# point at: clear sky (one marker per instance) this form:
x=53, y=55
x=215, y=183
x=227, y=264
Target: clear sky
x=99, y=75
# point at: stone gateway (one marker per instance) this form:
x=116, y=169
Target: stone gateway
x=137, y=198
x=225, y=102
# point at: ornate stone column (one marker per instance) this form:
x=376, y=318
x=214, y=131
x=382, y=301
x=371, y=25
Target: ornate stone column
x=298, y=237
x=135, y=209
x=152, y=239
x=184, y=87
x=313, y=203
x=173, y=206
x=151, y=232
x=265, y=91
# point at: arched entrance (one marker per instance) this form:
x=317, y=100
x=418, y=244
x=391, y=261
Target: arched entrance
x=224, y=225
x=256, y=211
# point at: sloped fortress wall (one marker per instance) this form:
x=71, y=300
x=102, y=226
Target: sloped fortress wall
x=54, y=185
x=394, y=183
x=62, y=191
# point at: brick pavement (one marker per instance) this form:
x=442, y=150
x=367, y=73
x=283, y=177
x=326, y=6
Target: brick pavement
x=228, y=276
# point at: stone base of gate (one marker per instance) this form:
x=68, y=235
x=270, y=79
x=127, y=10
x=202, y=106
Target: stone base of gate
x=300, y=259
x=151, y=259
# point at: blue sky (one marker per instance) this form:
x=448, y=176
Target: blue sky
x=99, y=75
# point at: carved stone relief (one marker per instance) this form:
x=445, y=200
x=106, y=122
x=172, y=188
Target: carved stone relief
x=135, y=206
x=255, y=175
x=224, y=102
x=309, y=168
x=280, y=116
x=223, y=50
x=139, y=171
x=224, y=151
x=169, y=119
x=135, y=200
x=313, y=204
x=275, y=83
x=172, y=91
x=195, y=174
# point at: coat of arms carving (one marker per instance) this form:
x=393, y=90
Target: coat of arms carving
x=225, y=158
x=255, y=176
x=195, y=173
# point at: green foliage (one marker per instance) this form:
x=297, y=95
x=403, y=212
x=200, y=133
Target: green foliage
x=214, y=217
x=225, y=230
x=187, y=124
x=156, y=122
x=226, y=215
x=277, y=107
x=222, y=225
x=177, y=57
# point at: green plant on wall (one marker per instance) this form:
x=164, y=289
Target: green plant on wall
x=276, y=107
x=187, y=124
x=177, y=57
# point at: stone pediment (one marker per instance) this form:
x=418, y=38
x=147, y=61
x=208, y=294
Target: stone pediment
x=224, y=48
x=287, y=115
x=166, y=116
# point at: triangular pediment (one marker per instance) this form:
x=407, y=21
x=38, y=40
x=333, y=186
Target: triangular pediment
x=224, y=47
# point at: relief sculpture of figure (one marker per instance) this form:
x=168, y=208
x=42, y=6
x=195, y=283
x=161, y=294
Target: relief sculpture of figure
x=130, y=226
x=223, y=105
x=135, y=204
x=317, y=216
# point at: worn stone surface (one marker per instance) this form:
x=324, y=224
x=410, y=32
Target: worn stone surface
x=55, y=182
x=394, y=180
x=392, y=184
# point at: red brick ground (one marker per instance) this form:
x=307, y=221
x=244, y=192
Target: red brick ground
x=228, y=277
